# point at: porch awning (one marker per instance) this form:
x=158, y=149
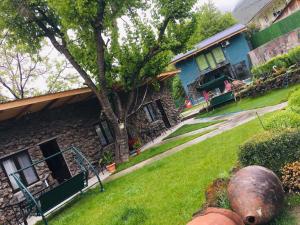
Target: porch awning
x=212, y=84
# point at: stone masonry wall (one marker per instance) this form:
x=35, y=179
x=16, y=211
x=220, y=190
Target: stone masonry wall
x=261, y=87
x=71, y=125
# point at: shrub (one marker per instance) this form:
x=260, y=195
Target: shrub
x=291, y=177
x=271, y=150
x=283, y=62
x=281, y=120
x=294, y=55
x=294, y=101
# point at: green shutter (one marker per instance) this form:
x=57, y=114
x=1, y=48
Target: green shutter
x=219, y=55
x=202, y=63
x=211, y=60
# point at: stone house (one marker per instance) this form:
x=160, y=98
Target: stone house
x=35, y=128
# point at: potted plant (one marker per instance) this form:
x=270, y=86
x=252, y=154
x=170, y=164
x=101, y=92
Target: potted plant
x=108, y=160
x=137, y=146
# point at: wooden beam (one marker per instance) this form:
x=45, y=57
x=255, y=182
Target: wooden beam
x=22, y=111
x=43, y=98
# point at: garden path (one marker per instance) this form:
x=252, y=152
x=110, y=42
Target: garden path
x=230, y=121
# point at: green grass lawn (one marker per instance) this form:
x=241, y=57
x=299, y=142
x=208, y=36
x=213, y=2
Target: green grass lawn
x=272, y=98
x=149, y=153
x=189, y=128
x=166, y=192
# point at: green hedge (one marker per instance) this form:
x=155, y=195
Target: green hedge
x=294, y=102
x=281, y=120
x=271, y=150
x=276, y=30
x=282, y=61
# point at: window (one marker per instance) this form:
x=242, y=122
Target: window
x=17, y=162
x=202, y=63
x=219, y=55
x=104, y=133
x=211, y=60
x=150, y=112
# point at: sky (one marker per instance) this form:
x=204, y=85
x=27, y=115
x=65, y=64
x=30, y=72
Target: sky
x=223, y=5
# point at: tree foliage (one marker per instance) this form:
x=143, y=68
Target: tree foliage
x=112, y=44
x=20, y=72
x=209, y=21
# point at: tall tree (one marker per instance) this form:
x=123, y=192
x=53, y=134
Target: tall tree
x=209, y=21
x=20, y=71
x=107, y=55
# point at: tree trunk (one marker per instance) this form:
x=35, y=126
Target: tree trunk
x=121, y=143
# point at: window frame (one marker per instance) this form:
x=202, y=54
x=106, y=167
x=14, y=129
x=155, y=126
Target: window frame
x=108, y=142
x=153, y=117
x=14, y=158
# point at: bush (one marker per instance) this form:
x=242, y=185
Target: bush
x=282, y=62
x=271, y=150
x=294, y=101
x=291, y=177
x=281, y=120
x=294, y=55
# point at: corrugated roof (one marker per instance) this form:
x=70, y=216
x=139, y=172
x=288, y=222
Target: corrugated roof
x=246, y=10
x=222, y=36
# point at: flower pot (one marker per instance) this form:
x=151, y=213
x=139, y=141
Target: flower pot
x=111, y=168
x=138, y=151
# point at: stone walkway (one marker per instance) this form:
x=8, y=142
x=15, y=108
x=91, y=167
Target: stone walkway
x=232, y=121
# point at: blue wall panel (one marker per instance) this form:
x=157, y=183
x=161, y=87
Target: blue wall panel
x=189, y=72
x=237, y=50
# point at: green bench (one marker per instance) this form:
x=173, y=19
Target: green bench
x=218, y=100
x=62, y=192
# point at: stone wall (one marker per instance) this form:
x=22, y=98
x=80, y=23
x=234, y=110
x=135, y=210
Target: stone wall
x=70, y=125
x=276, y=47
x=260, y=87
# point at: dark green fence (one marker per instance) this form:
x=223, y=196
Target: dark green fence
x=276, y=30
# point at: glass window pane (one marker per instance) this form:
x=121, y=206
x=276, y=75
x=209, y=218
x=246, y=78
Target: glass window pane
x=100, y=135
x=29, y=174
x=148, y=114
x=219, y=55
x=10, y=167
x=202, y=63
x=107, y=131
x=211, y=60
x=152, y=111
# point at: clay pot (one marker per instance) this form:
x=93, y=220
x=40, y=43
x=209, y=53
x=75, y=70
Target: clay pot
x=217, y=216
x=256, y=194
x=138, y=151
x=111, y=168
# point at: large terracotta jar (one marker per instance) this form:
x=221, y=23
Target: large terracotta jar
x=217, y=216
x=256, y=194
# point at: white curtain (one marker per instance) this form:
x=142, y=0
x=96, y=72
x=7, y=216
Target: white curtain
x=29, y=173
x=100, y=135
x=10, y=168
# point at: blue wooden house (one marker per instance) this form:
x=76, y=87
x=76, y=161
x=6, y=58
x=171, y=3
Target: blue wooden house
x=213, y=63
